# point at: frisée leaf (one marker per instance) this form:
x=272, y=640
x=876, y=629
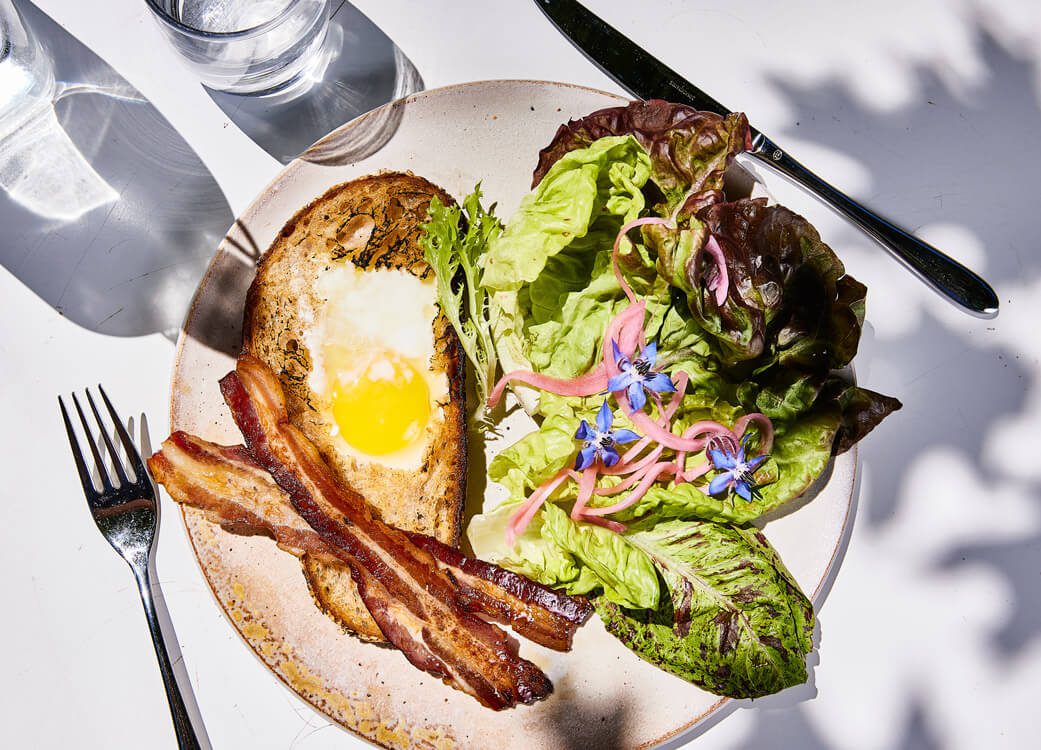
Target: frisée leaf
x=454, y=240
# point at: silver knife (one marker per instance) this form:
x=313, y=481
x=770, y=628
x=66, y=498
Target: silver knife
x=632, y=68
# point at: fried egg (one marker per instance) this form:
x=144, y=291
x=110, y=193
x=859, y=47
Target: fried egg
x=371, y=345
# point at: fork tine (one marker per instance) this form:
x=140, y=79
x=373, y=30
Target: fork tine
x=116, y=462
x=124, y=438
x=77, y=454
x=93, y=445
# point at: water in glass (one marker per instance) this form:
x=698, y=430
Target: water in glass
x=246, y=47
x=26, y=78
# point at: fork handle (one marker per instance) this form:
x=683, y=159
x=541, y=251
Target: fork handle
x=186, y=738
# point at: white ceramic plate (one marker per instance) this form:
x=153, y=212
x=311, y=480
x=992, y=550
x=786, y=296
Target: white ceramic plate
x=604, y=696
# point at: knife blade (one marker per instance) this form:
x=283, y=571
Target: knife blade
x=645, y=77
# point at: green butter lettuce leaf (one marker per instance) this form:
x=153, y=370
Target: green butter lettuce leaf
x=535, y=457
x=533, y=555
x=689, y=149
x=625, y=573
x=553, y=287
x=565, y=340
x=781, y=393
x=686, y=501
x=800, y=454
x=577, y=558
x=737, y=623
x=606, y=177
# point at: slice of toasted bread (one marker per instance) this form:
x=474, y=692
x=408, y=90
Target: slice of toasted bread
x=372, y=222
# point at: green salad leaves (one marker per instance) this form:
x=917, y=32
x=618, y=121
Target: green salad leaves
x=553, y=288
x=686, y=581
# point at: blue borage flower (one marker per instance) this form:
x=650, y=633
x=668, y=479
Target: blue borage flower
x=599, y=443
x=734, y=471
x=638, y=375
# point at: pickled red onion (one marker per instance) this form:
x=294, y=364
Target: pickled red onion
x=687, y=442
x=585, y=491
x=633, y=452
x=649, y=477
x=626, y=228
x=594, y=381
x=620, y=469
x=699, y=470
x=766, y=430
x=721, y=282
x=625, y=330
x=520, y=519
x=614, y=526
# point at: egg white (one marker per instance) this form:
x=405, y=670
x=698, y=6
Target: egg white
x=365, y=317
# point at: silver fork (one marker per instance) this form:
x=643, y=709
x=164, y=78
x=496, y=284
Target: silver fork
x=126, y=516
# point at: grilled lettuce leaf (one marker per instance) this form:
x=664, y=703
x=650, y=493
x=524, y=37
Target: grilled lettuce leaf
x=737, y=623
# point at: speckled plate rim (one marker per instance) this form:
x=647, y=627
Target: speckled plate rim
x=689, y=727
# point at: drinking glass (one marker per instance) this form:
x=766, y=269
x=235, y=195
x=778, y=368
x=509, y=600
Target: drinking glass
x=26, y=78
x=246, y=46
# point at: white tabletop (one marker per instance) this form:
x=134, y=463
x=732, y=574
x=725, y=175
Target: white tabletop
x=928, y=110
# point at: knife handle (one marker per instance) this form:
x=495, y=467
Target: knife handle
x=942, y=272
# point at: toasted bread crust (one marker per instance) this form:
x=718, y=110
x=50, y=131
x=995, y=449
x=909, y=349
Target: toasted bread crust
x=335, y=594
x=373, y=222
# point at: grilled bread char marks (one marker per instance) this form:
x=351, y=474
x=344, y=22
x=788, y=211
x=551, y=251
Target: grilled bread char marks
x=373, y=223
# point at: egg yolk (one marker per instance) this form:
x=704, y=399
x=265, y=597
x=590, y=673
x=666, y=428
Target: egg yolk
x=385, y=409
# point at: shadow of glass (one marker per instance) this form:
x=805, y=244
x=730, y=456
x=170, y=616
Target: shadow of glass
x=363, y=70
x=129, y=265
x=216, y=312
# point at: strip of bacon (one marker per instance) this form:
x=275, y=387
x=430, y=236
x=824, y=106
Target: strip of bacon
x=534, y=611
x=412, y=600
x=237, y=493
x=233, y=491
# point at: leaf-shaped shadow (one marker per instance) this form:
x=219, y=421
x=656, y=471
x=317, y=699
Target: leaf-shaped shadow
x=957, y=390
x=930, y=162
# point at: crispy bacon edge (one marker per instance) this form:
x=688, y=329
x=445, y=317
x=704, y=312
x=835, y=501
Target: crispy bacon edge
x=234, y=491
x=413, y=602
x=534, y=611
